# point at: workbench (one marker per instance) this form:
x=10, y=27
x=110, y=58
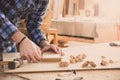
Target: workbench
x=111, y=72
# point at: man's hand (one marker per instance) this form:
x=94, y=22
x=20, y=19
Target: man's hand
x=30, y=51
x=50, y=47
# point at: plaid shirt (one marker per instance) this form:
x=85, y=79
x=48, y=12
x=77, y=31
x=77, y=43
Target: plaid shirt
x=11, y=11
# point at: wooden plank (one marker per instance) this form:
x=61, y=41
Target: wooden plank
x=87, y=75
x=93, y=52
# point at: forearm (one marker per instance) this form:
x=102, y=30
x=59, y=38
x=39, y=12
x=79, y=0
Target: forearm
x=17, y=36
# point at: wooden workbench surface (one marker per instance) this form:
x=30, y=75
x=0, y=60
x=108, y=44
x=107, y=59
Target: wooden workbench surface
x=87, y=75
x=94, y=52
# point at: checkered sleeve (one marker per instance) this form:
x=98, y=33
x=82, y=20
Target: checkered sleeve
x=33, y=24
x=7, y=29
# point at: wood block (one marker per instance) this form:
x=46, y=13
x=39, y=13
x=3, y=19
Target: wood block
x=51, y=57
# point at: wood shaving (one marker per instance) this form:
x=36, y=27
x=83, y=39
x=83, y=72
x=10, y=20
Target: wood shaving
x=79, y=58
x=104, y=63
x=111, y=61
x=92, y=64
x=72, y=59
x=103, y=57
x=89, y=63
x=84, y=56
x=85, y=64
x=63, y=64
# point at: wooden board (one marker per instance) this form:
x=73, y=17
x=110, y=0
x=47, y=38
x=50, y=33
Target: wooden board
x=87, y=75
x=93, y=52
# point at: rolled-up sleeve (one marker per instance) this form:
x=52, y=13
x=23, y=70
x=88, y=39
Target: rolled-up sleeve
x=7, y=29
x=33, y=24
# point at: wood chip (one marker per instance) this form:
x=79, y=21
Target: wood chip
x=63, y=64
x=79, y=58
x=72, y=59
x=92, y=64
x=104, y=63
x=85, y=64
x=89, y=63
x=111, y=61
x=103, y=57
x=84, y=56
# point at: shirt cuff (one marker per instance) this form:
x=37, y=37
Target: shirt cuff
x=37, y=36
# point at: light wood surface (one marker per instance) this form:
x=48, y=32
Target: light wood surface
x=93, y=52
x=87, y=75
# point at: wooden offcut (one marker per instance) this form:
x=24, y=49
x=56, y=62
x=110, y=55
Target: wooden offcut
x=51, y=57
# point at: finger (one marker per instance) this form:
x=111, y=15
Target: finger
x=22, y=55
x=38, y=55
x=32, y=58
x=60, y=51
x=45, y=49
x=54, y=48
x=28, y=58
